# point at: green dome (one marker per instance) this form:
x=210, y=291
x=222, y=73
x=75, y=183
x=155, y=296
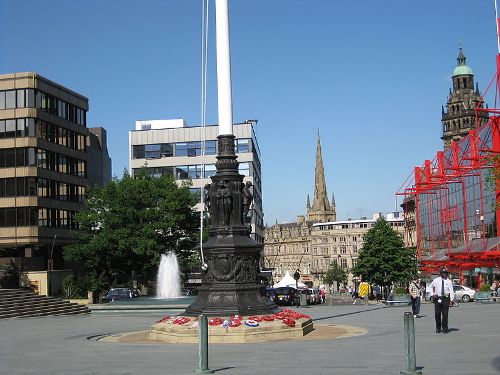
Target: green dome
x=462, y=70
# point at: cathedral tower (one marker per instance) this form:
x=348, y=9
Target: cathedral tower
x=459, y=116
x=321, y=211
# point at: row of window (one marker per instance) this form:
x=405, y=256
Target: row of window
x=33, y=216
x=163, y=150
x=41, y=187
x=17, y=128
x=29, y=156
x=25, y=127
x=30, y=98
x=184, y=172
x=60, y=163
x=60, y=135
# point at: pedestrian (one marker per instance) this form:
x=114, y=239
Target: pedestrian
x=376, y=291
x=415, y=289
x=364, y=291
x=349, y=290
x=442, y=295
x=493, y=289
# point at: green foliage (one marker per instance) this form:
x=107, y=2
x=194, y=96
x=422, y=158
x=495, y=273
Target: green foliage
x=335, y=273
x=383, y=258
x=485, y=288
x=400, y=290
x=127, y=225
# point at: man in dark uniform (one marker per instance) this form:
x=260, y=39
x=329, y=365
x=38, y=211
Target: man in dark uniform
x=442, y=295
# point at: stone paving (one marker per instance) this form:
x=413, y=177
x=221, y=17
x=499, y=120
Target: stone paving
x=72, y=345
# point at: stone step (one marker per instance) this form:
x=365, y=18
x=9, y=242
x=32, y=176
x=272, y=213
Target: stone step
x=31, y=304
x=18, y=303
x=45, y=312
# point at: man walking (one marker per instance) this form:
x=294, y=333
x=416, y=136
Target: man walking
x=442, y=295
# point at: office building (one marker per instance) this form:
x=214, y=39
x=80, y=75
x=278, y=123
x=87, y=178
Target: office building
x=172, y=147
x=44, y=168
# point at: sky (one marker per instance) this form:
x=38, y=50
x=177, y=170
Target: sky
x=369, y=76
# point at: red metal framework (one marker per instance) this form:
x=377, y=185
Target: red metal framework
x=451, y=203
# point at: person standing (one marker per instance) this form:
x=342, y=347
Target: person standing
x=415, y=290
x=376, y=292
x=364, y=291
x=442, y=295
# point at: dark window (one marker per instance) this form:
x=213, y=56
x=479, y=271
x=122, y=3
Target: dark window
x=10, y=128
x=210, y=147
x=10, y=187
x=10, y=99
x=20, y=157
x=20, y=186
x=242, y=145
x=10, y=217
x=181, y=149
x=21, y=217
x=20, y=99
x=182, y=172
x=30, y=98
x=210, y=170
x=10, y=157
x=20, y=129
x=32, y=216
x=138, y=152
x=31, y=186
x=30, y=127
x=167, y=150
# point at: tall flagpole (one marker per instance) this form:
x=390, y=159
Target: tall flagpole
x=231, y=279
x=225, y=105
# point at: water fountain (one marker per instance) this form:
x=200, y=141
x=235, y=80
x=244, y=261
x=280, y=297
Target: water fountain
x=168, y=283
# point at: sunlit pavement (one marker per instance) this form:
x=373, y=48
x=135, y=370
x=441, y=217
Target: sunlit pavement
x=70, y=345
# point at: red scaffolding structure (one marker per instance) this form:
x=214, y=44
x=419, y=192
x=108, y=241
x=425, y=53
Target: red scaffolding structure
x=452, y=203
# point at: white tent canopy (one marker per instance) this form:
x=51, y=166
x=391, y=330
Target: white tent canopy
x=288, y=280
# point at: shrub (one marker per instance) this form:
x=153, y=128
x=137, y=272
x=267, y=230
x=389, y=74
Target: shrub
x=485, y=288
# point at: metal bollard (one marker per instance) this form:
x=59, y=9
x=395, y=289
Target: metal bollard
x=203, y=346
x=409, y=337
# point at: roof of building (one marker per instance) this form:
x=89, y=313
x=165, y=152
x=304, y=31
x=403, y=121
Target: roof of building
x=462, y=68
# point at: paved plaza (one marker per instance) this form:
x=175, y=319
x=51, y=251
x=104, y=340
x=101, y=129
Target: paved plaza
x=70, y=345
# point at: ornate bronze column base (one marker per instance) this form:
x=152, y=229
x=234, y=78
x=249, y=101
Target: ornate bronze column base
x=231, y=285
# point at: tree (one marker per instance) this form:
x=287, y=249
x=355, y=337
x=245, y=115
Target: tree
x=335, y=273
x=384, y=259
x=125, y=226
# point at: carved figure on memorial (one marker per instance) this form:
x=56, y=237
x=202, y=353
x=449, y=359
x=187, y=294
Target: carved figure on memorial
x=224, y=200
x=247, y=199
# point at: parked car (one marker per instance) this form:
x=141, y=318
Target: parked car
x=270, y=293
x=285, y=295
x=463, y=293
x=118, y=294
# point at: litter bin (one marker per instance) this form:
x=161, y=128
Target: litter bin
x=303, y=299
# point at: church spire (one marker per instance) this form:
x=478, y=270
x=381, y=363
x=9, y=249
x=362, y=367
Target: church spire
x=308, y=202
x=321, y=211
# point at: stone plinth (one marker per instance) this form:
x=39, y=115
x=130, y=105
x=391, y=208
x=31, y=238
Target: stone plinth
x=266, y=331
